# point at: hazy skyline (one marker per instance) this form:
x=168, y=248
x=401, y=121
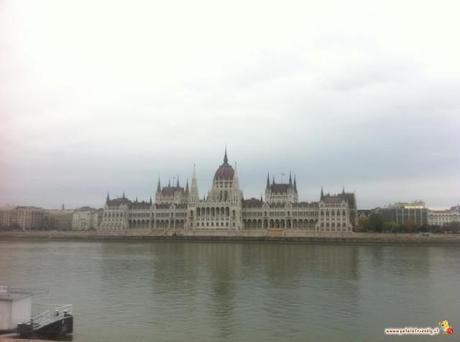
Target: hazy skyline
x=100, y=96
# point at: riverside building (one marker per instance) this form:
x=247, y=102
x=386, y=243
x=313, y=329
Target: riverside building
x=224, y=208
x=444, y=217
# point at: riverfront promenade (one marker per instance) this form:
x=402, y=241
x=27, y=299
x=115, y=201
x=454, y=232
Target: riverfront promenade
x=261, y=235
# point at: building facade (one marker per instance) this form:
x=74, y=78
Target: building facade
x=414, y=213
x=444, y=217
x=86, y=218
x=29, y=218
x=59, y=219
x=224, y=208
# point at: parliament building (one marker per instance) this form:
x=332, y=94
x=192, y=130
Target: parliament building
x=224, y=208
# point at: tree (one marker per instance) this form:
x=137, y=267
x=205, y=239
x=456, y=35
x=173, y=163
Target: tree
x=409, y=226
x=376, y=222
x=391, y=227
x=363, y=224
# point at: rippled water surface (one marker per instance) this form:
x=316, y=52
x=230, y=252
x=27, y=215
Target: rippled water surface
x=179, y=291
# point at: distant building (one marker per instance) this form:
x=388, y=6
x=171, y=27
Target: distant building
x=7, y=217
x=29, y=218
x=444, y=217
x=86, y=218
x=59, y=219
x=364, y=213
x=224, y=208
x=414, y=213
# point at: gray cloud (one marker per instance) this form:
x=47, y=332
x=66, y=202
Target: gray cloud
x=109, y=108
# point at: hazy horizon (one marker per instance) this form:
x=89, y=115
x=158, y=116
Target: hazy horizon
x=101, y=96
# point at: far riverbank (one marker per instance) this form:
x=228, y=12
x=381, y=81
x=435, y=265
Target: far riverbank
x=275, y=235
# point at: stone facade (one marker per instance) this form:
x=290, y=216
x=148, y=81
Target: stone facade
x=59, y=219
x=27, y=218
x=86, y=218
x=224, y=208
x=444, y=217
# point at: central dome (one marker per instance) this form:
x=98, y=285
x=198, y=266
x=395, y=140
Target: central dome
x=225, y=171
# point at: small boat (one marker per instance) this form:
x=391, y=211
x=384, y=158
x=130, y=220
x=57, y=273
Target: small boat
x=53, y=323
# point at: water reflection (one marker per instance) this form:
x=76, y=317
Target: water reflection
x=180, y=291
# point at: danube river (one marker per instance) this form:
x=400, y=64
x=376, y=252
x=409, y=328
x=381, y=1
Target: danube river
x=191, y=291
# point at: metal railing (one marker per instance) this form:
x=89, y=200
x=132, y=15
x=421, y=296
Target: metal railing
x=53, y=313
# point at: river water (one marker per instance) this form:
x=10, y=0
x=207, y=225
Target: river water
x=190, y=291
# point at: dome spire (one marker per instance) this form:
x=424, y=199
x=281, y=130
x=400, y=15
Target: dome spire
x=225, y=156
x=268, y=180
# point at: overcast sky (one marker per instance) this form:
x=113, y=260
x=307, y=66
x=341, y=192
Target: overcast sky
x=100, y=96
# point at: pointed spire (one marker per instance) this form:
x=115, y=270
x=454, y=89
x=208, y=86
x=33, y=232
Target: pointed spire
x=290, y=178
x=123, y=195
x=343, y=189
x=268, y=180
x=194, y=196
x=177, y=184
x=225, y=156
x=136, y=199
x=159, y=185
x=186, y=186
x=107, y=198
x=322, y=193
x=273, y=180
x=295, y=184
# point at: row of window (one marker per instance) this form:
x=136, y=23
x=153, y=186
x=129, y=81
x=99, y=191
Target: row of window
x=213, y=224
x=213, y=211
x=333, y=212
x=327, y=224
